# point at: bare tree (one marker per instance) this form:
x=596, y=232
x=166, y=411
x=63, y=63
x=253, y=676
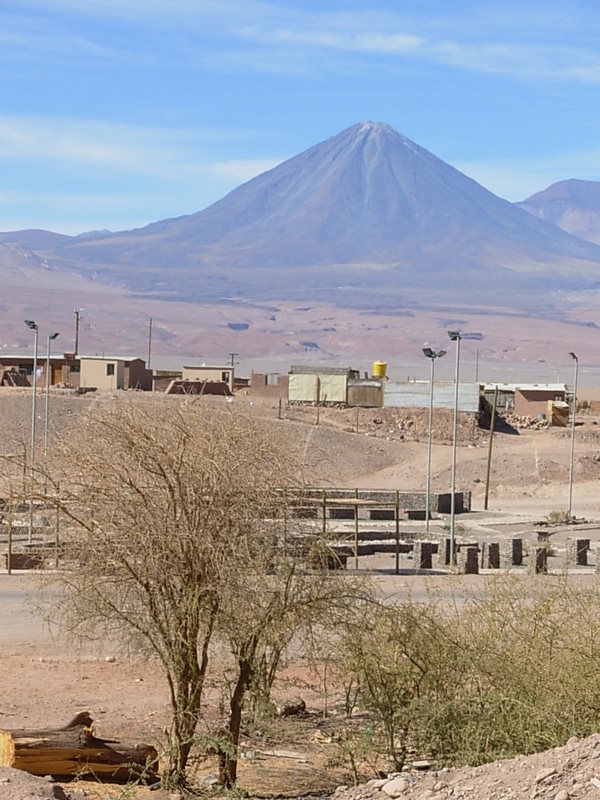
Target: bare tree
x=287, y=596
x=167, y=502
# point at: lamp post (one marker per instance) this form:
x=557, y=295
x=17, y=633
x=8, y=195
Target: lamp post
x=573, y=412
x=455, y=336
x=432, y=355
x=34, y=327
x=51, y=336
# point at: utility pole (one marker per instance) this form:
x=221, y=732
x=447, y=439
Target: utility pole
x=77, y=312
x=232, y=357
x=149, y=341
x=489, y=458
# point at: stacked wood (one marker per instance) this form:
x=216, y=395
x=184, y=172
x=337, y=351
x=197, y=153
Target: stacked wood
x=75, y=751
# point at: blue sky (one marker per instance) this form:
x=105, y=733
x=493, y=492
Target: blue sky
x=116, y=113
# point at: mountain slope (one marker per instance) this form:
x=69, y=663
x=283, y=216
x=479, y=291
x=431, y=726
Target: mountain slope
x=573, y=205
x=367, y=211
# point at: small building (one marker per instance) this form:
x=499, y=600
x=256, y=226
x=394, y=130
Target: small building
x=319, y=384
x=114, y=372
x=526, y=400
x=60, y=366
x=211, y=374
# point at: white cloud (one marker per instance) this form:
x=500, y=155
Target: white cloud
x=520, y=41
x=370, y=42
x=129, y=148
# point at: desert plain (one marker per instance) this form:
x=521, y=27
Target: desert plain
x=47, y=678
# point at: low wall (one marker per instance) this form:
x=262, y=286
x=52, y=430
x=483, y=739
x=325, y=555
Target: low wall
x=407, y=501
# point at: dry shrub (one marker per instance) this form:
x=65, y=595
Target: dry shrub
x=512, y=670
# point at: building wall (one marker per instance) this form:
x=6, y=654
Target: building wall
x=333, y=388
x=366, y=394
x=137, y=376
x=218, y=374
x=308, y=388
x=71, y=376
x=302, y=388
x=417, y=395
x=94, y=373
x=591, y=398
x=265, y=385
x=529, y=403
x=24, y=365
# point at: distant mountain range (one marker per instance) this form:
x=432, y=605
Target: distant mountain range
x=366, y=219
x=572, y=205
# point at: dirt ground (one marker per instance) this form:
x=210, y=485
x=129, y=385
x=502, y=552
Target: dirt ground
x=46, y=679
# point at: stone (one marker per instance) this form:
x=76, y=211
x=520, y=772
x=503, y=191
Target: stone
x=421, y=764
x=562, y=795
x=544, y=774
x=395, y=787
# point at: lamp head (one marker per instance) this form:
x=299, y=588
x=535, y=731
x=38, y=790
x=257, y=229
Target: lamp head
x=53, y=335
x=573, y=356
x=433, y=353
x=31, y=324
x=455, y=335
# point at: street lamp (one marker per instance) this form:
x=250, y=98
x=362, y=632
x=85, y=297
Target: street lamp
x=34, y=327
x=432, y=355
x=51, y=336
x=573, y=411
x=455, y=336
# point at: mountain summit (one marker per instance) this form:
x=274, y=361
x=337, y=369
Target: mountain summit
x=573, y=205
x=367, y=209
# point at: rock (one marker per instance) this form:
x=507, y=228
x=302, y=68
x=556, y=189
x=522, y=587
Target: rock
x=395, y=787
x=422, y=764
x=544, y=774
x=562, y=795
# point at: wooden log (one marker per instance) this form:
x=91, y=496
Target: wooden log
x=75, y=751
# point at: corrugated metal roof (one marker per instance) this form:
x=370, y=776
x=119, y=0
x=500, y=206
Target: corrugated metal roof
x=417, y=395
x=109, y=358
x=527, y=387
x=301, y=369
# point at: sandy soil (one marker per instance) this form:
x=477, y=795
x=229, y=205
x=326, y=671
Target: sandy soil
x=46, y=680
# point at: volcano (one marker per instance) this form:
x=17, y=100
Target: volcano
x=365, y=217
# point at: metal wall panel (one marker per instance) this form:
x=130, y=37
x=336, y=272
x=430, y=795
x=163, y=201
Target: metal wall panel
x=416, y=395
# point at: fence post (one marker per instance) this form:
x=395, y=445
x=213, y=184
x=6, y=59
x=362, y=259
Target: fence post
x=10, y=529
x=397, y=515
x=356, y=529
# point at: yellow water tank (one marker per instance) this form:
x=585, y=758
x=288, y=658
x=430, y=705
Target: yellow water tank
x=379, y=369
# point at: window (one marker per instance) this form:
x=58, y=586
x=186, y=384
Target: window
x=110, y=369
x=225, y=377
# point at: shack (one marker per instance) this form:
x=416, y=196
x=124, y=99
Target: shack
x=526, y=400
x=210, y=374
x=114, y=372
